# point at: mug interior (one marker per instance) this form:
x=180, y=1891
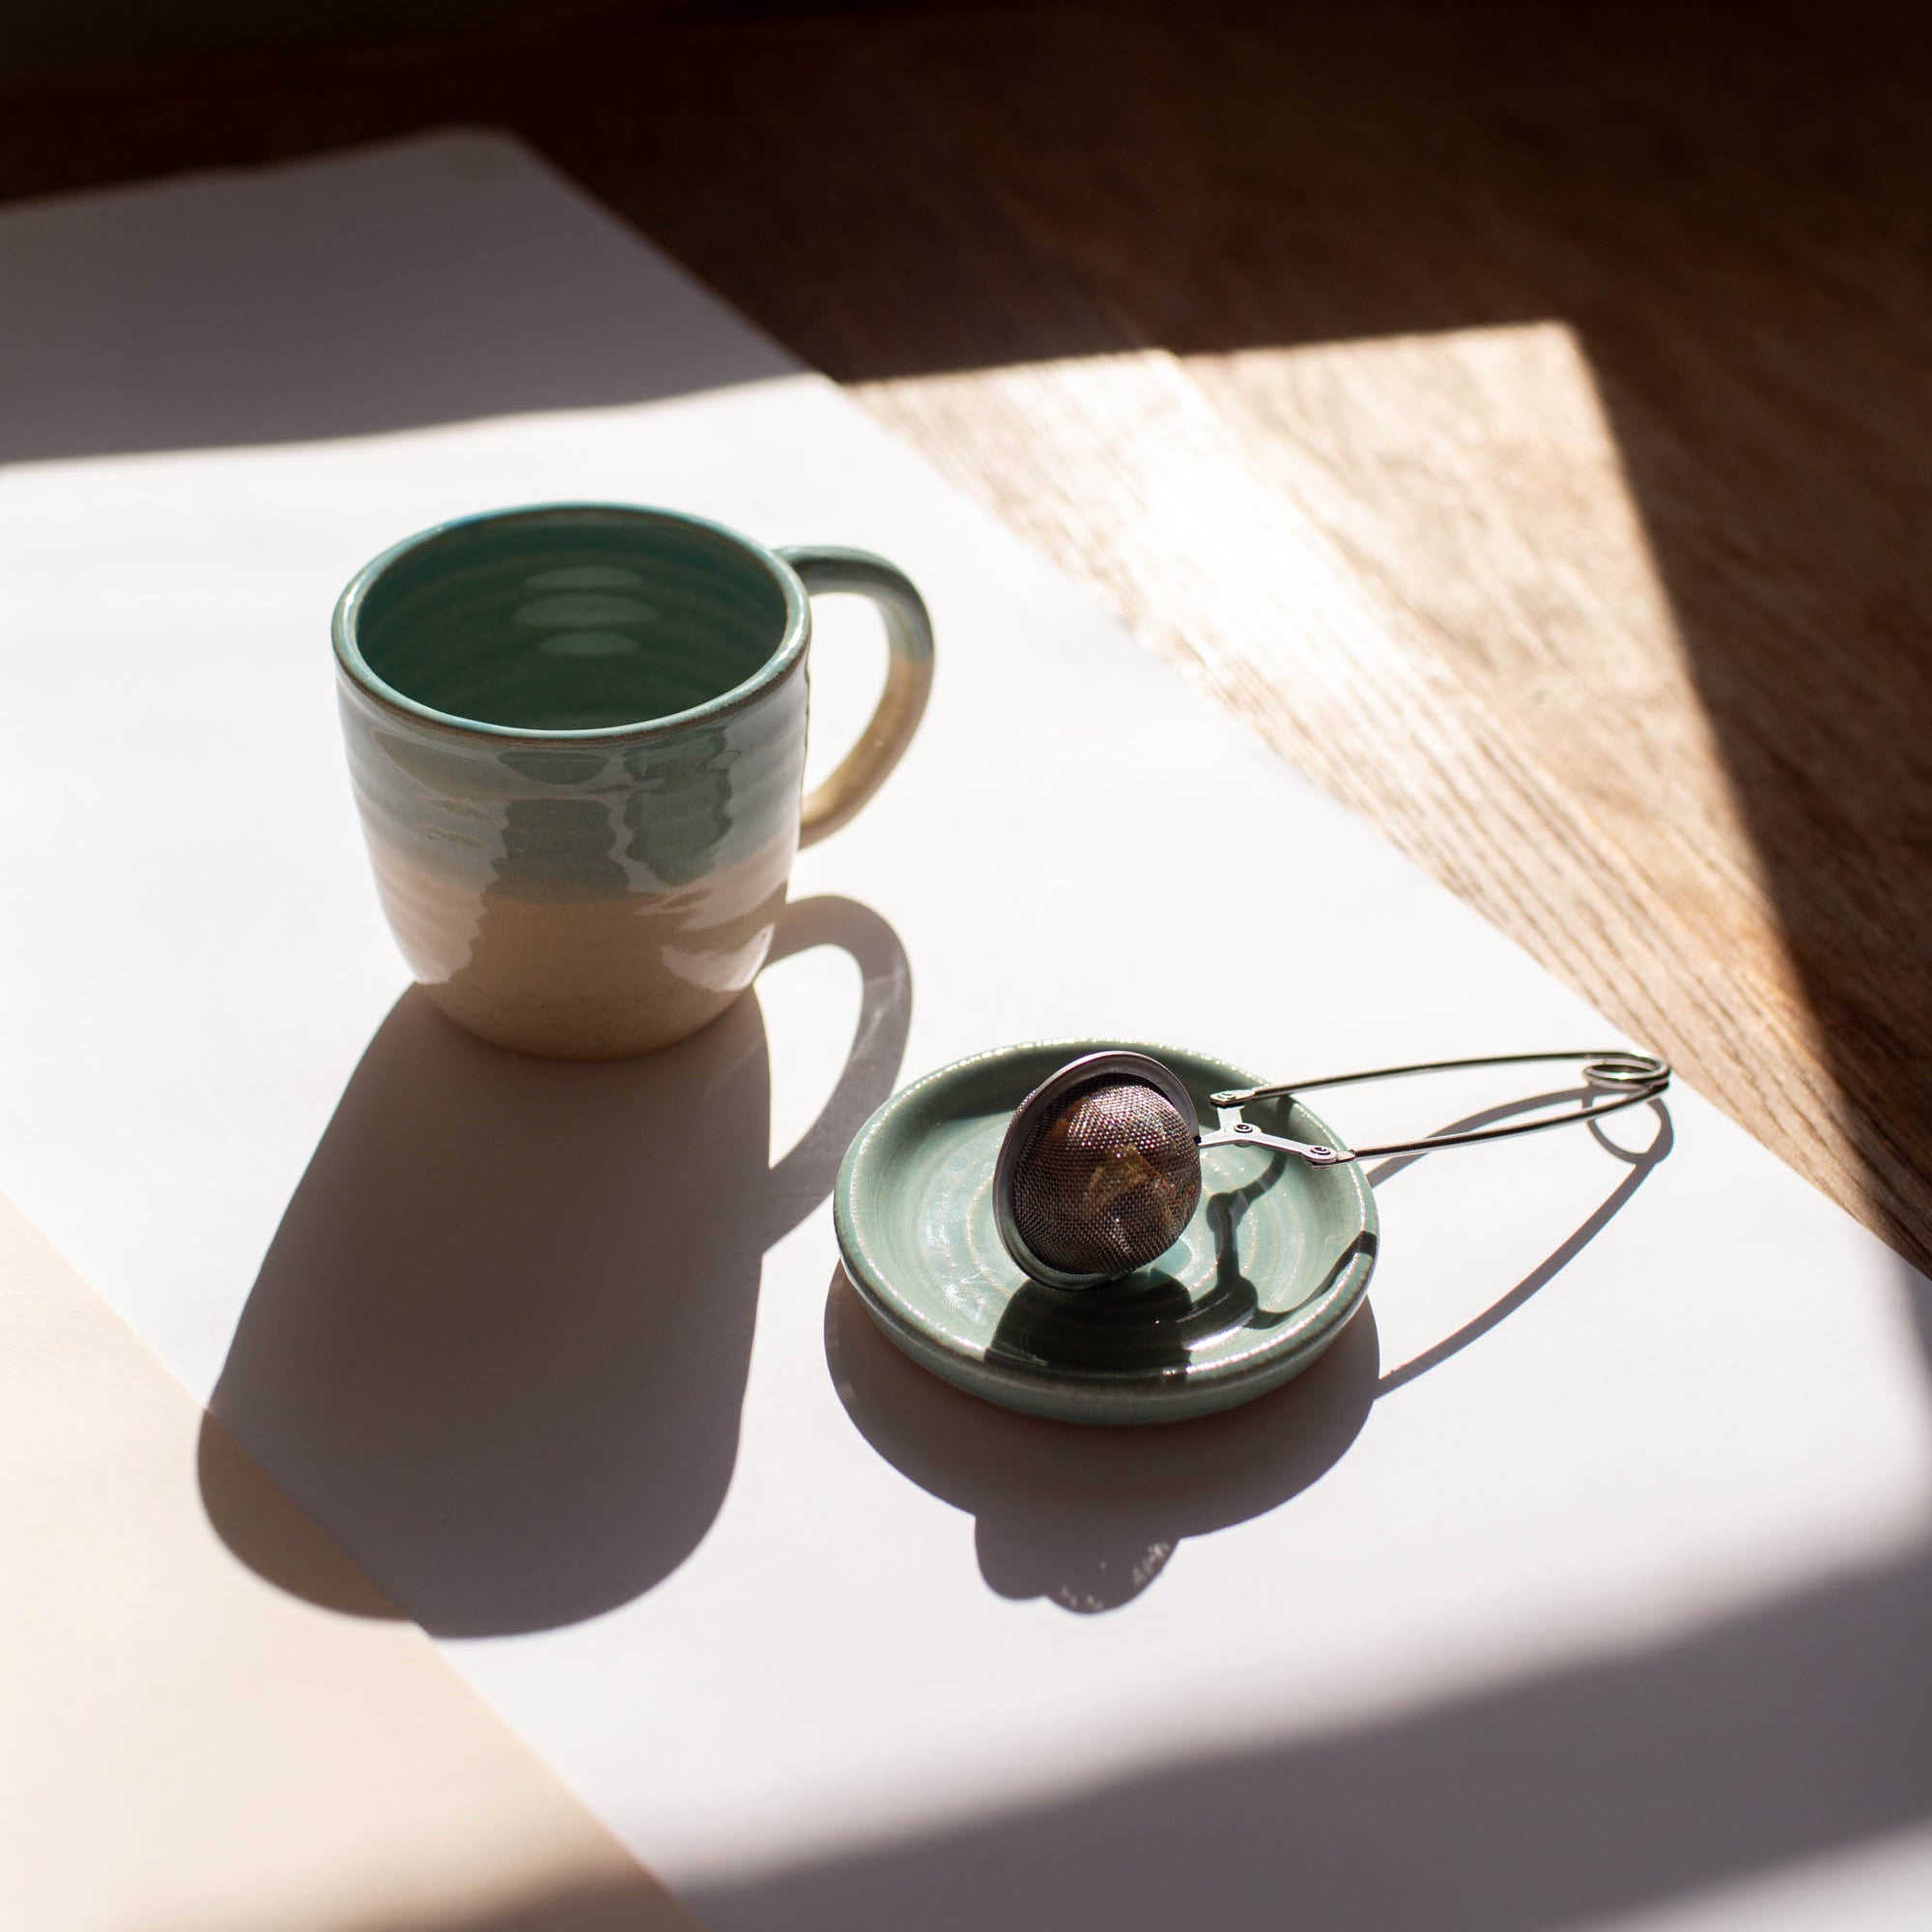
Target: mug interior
x=570, y=620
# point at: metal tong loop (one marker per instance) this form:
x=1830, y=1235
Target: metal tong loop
x=1636, y=1077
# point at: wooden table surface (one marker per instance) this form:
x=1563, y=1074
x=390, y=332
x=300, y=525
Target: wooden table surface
x=1521, y=415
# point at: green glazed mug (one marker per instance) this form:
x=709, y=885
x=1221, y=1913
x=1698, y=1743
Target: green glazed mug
x=576, y=736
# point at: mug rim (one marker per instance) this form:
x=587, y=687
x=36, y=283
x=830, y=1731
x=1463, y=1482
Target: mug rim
x=353, y=665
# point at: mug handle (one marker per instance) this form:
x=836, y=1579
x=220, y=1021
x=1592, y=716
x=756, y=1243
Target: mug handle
x=822, y=568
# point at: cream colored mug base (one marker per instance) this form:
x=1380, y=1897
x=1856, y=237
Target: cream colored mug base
x=592, y=979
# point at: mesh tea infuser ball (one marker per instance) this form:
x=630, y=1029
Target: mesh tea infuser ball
x=1101, y=1166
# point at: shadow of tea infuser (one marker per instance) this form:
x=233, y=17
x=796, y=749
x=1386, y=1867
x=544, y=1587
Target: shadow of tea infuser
x=1034, y=1224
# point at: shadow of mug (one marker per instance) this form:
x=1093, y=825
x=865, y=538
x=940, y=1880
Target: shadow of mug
x=499, y=1346
x=1087, y=1516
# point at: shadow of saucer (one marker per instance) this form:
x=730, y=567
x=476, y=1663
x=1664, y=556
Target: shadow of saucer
x=1089, y=1515
x=500, y=1343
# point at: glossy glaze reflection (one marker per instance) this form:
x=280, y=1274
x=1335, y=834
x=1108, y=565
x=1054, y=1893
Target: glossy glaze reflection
x=577, y=740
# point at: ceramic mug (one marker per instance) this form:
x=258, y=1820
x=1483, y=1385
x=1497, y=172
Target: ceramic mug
x=576, y=735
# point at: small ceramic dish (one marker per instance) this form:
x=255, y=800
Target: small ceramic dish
x=1263, y=1277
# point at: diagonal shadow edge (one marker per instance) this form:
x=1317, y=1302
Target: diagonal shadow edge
x=1546, y=1802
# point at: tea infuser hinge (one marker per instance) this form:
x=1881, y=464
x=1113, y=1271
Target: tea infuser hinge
x=1245, y=1133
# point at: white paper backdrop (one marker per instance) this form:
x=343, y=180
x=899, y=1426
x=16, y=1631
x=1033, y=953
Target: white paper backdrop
x=1613, y=1610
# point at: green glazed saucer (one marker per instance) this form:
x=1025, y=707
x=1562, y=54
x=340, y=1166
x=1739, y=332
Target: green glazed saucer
x=1275, y=1260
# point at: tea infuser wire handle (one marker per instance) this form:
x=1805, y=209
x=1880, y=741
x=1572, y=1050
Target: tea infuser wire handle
x=1632, y=1078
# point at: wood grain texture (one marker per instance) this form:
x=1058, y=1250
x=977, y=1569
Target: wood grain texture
x=1519, y=414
